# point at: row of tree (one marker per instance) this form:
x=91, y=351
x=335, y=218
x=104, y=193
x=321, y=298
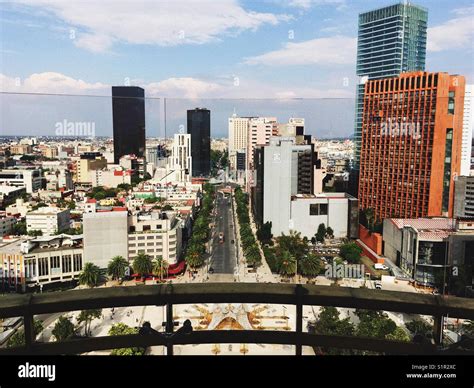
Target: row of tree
x=249, y=243
x=292, y=255
x=91, y=275
x=196, y=248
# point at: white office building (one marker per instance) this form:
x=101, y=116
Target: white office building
x=49, y=220
x=180, y=161
x=31, y=179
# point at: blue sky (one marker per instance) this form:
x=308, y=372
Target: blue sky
x=200, y=50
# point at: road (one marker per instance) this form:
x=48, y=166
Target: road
x=223, y=258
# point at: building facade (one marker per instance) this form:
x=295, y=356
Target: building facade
x=467, y=130
x=48, y=220
x=199, y=127
x=128, y=108
x=411, y=144
x=464, y=197
x=31, y=179
x=180, y=161
x=391, y=40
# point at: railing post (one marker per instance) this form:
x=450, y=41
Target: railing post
x=299, y=319
x=29, y=327
x=438, y=329
x=169, y=328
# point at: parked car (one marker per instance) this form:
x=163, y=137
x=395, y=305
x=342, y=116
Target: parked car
x=378, y=285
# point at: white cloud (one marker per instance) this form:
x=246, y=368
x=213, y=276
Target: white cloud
x=165, y=23
x=306, y=4
x=337, y=50
x=50, y=82
x=454, y=34
x=184, y=87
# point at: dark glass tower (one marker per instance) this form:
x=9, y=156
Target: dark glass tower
x=128, y=107
x=391, y=41
x=199, y=127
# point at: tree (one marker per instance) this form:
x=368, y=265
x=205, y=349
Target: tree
x=123, y=329
x=264, y=233
x=91, y=275
x=374, y=324
x=321, y=233
x=18, y=339
x=288, y=264
x=293, y=243
x=419, y=326
x=19, y=229
x=351, y=252
x=329, y=323
x=117, y=267
x=310, y=265
x=35, y=233
x=160, y=267
x=142, y=264
x=86, y=317
x=63, y=329
x=398, y=335
x=329, y=232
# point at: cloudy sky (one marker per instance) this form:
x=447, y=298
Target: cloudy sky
x=197, y=53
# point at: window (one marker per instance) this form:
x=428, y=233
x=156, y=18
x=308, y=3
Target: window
x=318, y=209
x=451, y=103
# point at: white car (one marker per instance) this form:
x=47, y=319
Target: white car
x=379, y=266
x=378, y=285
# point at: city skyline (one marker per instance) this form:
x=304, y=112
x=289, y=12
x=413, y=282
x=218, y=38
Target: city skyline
x=308, y=51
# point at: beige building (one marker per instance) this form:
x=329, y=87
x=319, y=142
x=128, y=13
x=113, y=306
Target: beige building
x=89, y=163
x=20, y=149
x=156, y=234
x=49, y=220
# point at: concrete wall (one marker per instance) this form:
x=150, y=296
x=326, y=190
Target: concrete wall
x=307, y=225
x=105, y=236
x=392, y=238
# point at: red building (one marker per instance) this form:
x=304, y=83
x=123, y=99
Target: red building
x=411, y=144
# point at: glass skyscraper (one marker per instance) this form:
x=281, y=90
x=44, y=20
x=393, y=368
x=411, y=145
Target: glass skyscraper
x=391, y=40
x=199, y=127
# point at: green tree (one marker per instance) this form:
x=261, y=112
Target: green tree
x=374, y=324
x=117, y=267
x=419, y=326
x=35, y=233
x=91, y=275
x=19, y=229
x=329, y=232
x=351, y=252
x=321, y=233
x=310, y=265
x=123, y=329
x=288, y=264
x=329, y=323
x=18, y=339
x=160, y=267
x=142, y=264
x=264, y=233
x=398, y=335
x=86, y=317
x=63, y=329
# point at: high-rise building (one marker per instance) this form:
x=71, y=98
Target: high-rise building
x=238, y=136
x=467, y=129
x=199, y=127
x=128, y=108
x=464, y=197
x=180, y=160
x=391, y=40
x=411, y=144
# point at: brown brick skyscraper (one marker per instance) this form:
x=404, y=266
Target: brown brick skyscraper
x=411, y=144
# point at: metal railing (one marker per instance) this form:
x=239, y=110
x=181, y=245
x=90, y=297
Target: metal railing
x=29, y=305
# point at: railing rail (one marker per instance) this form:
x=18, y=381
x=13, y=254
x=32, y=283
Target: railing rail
x=29, y=305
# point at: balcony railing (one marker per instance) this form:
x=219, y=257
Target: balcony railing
x=29, y=305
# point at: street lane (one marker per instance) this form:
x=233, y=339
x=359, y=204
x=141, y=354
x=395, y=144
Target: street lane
x=223, y=259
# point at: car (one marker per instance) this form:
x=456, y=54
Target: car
x=211, y=270
x=378, y=285
x=379, y=266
